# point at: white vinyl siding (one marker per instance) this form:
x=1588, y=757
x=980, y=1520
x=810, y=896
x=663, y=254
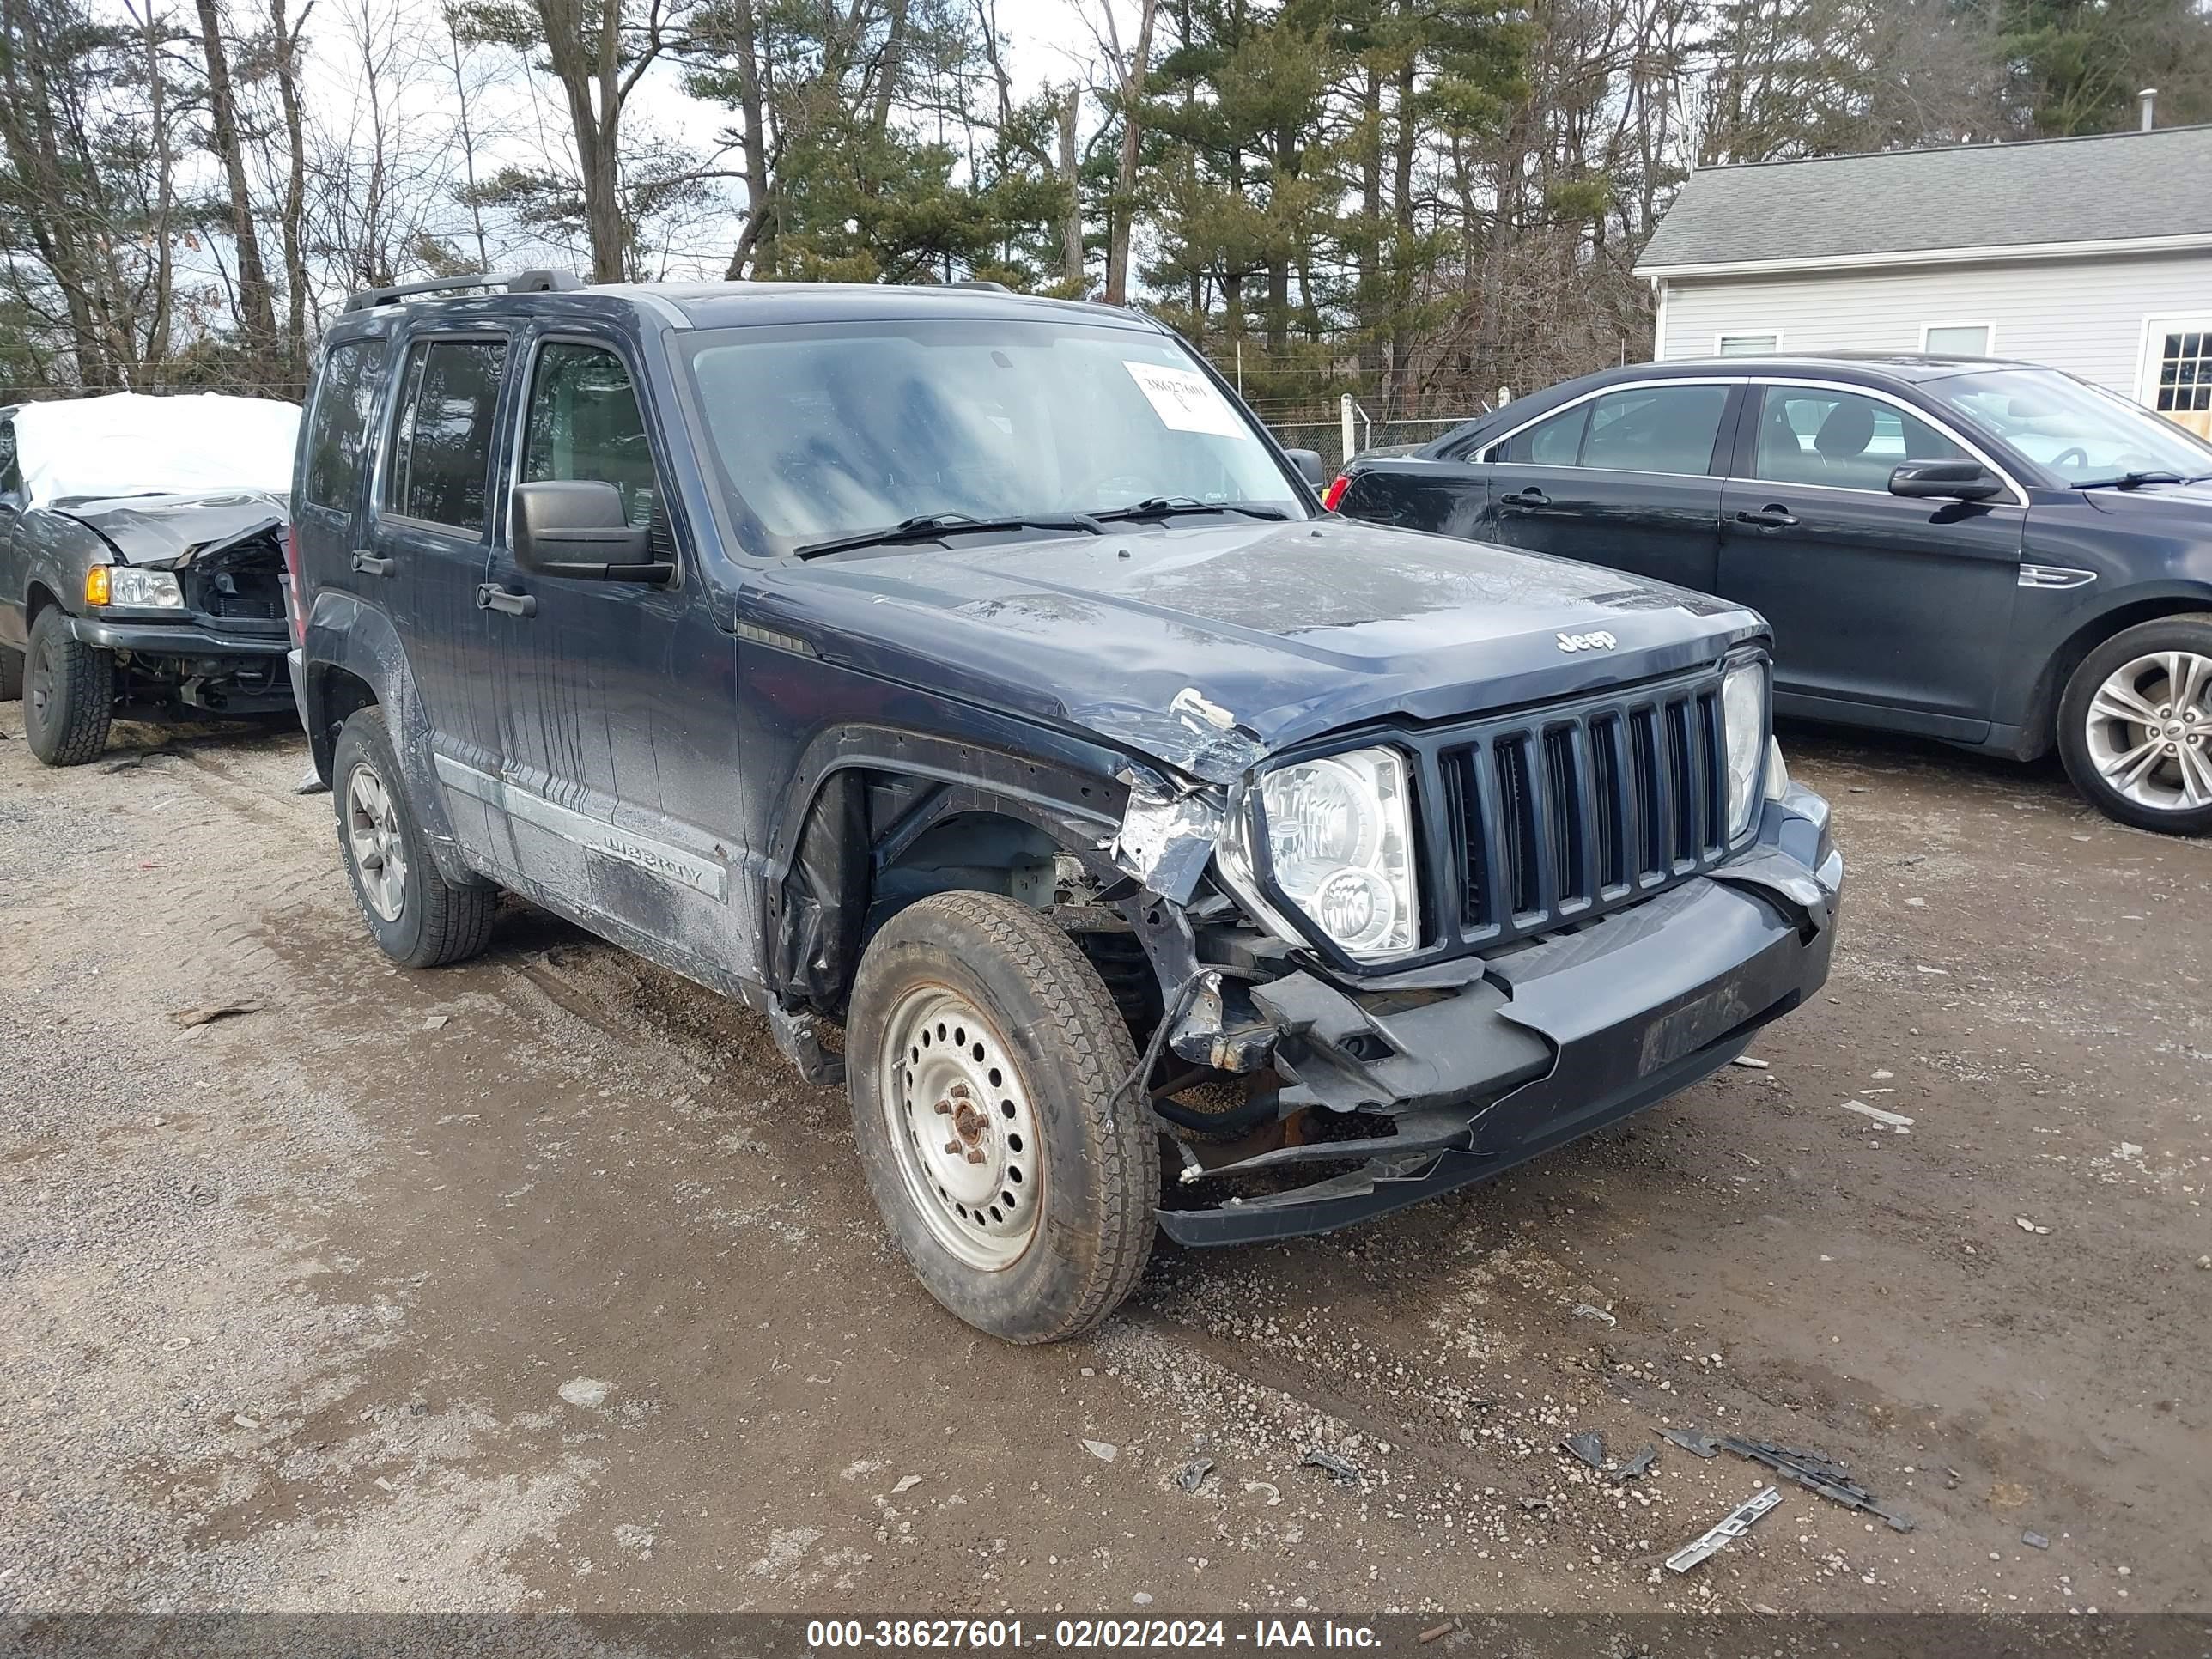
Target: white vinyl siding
x=2082, y=315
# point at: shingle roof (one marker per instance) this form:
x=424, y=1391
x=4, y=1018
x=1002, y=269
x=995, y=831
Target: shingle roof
x=2114, y=186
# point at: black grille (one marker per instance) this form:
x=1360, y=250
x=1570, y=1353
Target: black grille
x=1566, y=813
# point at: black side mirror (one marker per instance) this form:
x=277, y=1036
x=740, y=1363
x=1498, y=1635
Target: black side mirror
x=1307, y=462
x=1945, y=481
x=577, y=529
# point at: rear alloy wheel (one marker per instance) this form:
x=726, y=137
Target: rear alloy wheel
x=416, y=916
x=987, y=1061
x=2135, y=726
x=69, y=693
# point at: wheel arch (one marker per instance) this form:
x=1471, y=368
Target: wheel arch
x=2041, y=726
x=879, y=818
x=351, y=659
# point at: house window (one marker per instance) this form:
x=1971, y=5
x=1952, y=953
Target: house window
x=1957, y=339
x=2185, y=373
x=1747, y=345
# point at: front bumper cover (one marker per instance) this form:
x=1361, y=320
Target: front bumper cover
x=1558, y=1038
x=177, y=639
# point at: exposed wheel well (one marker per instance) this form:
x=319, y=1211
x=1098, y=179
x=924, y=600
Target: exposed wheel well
x=2043, y=711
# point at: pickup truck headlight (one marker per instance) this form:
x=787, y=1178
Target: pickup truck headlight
x=1340, y=835
x=129, y=586
x=1743, y=717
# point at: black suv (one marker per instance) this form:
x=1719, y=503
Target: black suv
x=969, y=683
x=1990, y=553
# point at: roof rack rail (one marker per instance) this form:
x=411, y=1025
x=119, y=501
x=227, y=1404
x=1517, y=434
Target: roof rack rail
x=984, y=283
x=521, y=282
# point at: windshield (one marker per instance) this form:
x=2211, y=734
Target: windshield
x=2073, y=431
x=834, y=429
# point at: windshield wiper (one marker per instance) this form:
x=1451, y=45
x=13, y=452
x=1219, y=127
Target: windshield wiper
x=1170, y=507
x=2131, y=481
x=932, y=527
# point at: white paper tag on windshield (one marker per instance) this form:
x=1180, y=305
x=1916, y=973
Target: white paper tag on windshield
x=1186, y=400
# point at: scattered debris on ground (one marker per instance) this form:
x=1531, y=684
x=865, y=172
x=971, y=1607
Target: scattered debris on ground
x=187, y=1018
x=1193, y=1474
x=1732, y=1525
x=1588, y=1447
x=1897, y=1121
x=1339, y=1468
x=1816, y=1471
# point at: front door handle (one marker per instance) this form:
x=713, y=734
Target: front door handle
x=492, y=598
x=369, y=564
x=1531, y=496
x=1772, y=516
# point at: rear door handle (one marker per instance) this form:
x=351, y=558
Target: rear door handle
x=1531, y=496
x=369, y=564
x=491, y=598
x=1772, y=516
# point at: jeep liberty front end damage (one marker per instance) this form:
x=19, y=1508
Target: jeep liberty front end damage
x=971, y=684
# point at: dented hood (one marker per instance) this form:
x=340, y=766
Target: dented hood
x=1206, y=646
x=161, y=529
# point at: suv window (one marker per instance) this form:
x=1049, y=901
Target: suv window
x=441, y=443
x=1810, y=435
x=583, y=424
x=341, y=432
x=1664, y=428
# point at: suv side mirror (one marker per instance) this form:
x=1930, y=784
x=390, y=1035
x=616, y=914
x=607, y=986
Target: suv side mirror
x=576, y=528
x=1307, y=462
x=1945, y=481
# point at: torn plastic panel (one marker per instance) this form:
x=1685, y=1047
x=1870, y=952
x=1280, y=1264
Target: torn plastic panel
x=1167, y=836
x=1193, y=734
x=816, y=915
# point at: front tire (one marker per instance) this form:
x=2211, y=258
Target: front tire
x=2135, y=726
x=418, y=918
x=987, y=1061
x=69, y=693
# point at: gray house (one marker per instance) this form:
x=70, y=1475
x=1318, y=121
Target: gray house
x=2093, y=255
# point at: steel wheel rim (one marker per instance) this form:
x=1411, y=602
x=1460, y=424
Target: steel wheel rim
x=380, y=855
x=2149, y=731
x=38, y=682
x=962, y=1127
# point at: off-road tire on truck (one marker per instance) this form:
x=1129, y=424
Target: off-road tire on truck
x=431, y=922
x=11, y=674
x=69, y=693
x=2096, y=737
x=977, y=1025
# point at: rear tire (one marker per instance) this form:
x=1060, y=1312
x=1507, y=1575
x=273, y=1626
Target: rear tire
x=69, y=693
x=986, y=1060
x=2135, y=726
x=418, y=918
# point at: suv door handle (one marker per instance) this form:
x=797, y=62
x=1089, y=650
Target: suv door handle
x=492, y=598
x=1772, y=516
x=369, y=565
x=1531, y=496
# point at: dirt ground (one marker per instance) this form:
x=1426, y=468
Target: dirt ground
x=542, y=1283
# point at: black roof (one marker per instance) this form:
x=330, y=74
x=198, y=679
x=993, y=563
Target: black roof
x=720, y=305
x=2119, y=186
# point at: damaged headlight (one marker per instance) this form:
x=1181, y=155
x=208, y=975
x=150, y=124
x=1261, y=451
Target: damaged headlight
x=1743, y=717
x=1339, y=837
x=128, y=585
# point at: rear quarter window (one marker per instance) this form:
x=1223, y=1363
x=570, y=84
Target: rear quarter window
x=341, y=432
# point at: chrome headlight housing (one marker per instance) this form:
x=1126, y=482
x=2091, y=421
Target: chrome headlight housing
x=1744, y=723
x=132, y=588
x=1340, y=841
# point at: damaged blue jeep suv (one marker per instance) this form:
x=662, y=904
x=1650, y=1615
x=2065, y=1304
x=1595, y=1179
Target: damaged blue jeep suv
x=971, y=685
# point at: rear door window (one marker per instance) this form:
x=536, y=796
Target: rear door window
x=442, y=442
x=1662, y=429
x=1554, y=441
x=341, y=433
